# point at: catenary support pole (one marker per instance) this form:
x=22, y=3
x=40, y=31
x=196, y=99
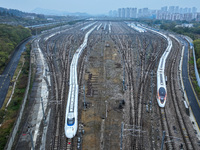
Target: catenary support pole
x=163, y=138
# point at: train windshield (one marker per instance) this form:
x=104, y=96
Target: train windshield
x=162, y=94
x=70, y=121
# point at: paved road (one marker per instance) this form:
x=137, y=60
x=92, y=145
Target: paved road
x=9, y=71
x=189, y=91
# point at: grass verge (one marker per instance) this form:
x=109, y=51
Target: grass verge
x=8, y=115
x=192, y=74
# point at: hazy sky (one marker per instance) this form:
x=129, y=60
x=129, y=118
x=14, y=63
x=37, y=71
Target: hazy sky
x=94, y=6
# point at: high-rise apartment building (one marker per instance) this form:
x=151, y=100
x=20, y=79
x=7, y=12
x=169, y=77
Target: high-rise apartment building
x=119, y=12
x=164, y=9
x=176, y=9
x=194, y=10
x=145, y=12
x=123, y=12
x=171, y=9
x=127, y=13
x=165, y=13
x=133, y=12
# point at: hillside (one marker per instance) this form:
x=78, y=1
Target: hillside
x=10, y=37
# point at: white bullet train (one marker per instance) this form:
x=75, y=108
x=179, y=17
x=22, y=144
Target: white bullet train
x=161, y=83
x=71, y=117
x=136, y=27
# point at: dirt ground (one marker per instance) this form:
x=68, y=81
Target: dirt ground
x=103, y=81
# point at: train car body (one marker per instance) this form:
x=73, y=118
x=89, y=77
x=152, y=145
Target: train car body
x=71, y=119
x=136, y=27
x=161, y=89
x=161, y=83
x=71, y=116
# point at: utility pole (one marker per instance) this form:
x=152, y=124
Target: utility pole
x=124, y=88
x=124, y=76
x=152, y=87
x=44, y=117
x=84, y=96
x=31, y=136
x=121, y=141
x=106, y=109
x=163, y=138
x=10, y=77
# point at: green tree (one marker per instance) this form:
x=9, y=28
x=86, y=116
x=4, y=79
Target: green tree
x=10, y=37
x=198, y=63
x=197, y=48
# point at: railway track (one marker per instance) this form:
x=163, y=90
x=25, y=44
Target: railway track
x=163, y=118
x=166, y=128
x=59, y=50
x=136, y=107
x=146, y=66
x=136, y=94
x=139, y=54
x=60, y=141
x=172, y=73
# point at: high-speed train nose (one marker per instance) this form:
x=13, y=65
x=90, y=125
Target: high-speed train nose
x=69, y=134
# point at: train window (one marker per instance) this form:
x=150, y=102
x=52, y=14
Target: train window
x=70, y=121
x=162, y=63
x=161, y=79
x=162, y=92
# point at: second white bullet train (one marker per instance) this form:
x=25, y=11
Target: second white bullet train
x=161, y=83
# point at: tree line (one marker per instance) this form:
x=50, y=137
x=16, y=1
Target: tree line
x=197, y=52
x=193, y=32
x=10, y=37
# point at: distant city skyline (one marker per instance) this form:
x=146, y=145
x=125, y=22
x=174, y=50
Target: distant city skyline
x=164, y=13
x=94, y=6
